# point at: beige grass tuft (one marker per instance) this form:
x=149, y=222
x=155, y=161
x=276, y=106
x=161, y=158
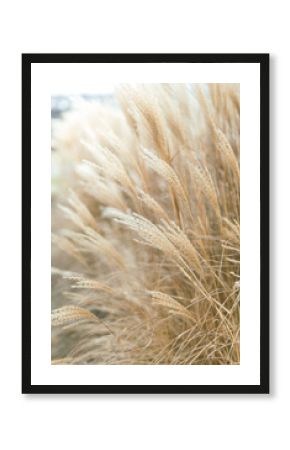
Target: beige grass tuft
x=146, y=228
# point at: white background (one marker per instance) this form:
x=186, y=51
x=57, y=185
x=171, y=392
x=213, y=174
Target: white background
x=206, y=422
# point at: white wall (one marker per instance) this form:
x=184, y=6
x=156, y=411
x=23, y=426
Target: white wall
x=204, y=422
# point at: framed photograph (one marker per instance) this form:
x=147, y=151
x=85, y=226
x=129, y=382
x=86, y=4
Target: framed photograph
x=145, y=223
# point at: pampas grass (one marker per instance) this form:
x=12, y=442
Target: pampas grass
x=145, y=226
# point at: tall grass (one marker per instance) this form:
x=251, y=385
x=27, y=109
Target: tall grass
x=145, y=228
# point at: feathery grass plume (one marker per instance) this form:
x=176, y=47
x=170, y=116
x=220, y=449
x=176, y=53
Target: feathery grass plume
x=146, y=243
x=100, y=189
x=182, y=242
x=61, y=361
x=147, y=116
x=173, y=305
x=110, y=164
x=92, y=242
x=81, y=210
x=83, y=283
x=70, y=314
x=177, y=192
x=152, y=204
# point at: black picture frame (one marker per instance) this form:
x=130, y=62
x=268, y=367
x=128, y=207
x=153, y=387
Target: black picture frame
x=263, y=61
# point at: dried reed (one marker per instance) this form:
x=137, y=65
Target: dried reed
x=146, y=228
